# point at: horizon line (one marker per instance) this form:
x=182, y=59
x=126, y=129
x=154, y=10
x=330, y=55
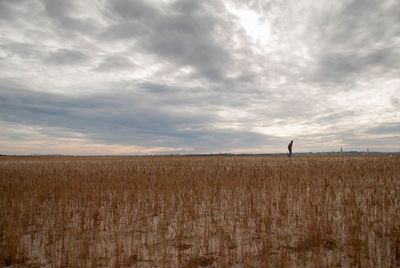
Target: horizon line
x=206, y=154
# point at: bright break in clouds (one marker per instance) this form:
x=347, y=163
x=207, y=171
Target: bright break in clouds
x=188, y=76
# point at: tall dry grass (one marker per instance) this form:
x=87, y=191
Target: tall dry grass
x=199, y=211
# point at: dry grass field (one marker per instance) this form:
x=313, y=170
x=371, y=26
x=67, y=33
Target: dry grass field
x=219, y=211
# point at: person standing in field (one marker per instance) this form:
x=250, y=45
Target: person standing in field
x=290, y=148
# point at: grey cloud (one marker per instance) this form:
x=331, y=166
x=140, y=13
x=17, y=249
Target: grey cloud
x=395, y=101
x=63, y=14
x=6, y=10
x=23, y=50
x=10, y=10
x=124, y=118
x=223, y=140
x=342, y=66
x=59, y=8
x=182, y=35
x=386, y=129
x=115, y=62
x=212, y=98
x=356, y=39
x=66, y=57
x=132, y=10
x=104, y=117
x=333, y=117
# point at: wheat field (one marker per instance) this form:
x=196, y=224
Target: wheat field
x=187, y=211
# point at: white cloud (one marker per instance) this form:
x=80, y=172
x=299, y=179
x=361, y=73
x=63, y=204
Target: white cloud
x=254, y=23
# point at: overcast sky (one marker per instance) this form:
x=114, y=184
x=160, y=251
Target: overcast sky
x=189, y=76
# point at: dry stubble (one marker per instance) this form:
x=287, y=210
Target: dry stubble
x=200, y=211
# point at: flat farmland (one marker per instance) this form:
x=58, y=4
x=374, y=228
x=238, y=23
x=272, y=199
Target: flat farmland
x=216, y=211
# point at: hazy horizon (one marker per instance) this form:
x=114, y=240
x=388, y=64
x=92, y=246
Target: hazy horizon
x=208, y=154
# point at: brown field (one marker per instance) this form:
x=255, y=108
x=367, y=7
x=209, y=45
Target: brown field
x=220, y=211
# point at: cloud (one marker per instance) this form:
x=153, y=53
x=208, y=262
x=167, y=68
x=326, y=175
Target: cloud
x=386, y=129
x=115, y=62
x=182, y=34
x=22, y=50
x=66, y=56
x=357, y=38
x=124, y=118
x=10, y=10
x=200, y=76
x=65, y=16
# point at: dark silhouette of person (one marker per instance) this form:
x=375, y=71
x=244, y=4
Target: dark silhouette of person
x=290, y=148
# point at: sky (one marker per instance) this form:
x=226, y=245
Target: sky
x=101, y=77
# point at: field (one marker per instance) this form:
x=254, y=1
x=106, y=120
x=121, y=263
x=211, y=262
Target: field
x=216, y=211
